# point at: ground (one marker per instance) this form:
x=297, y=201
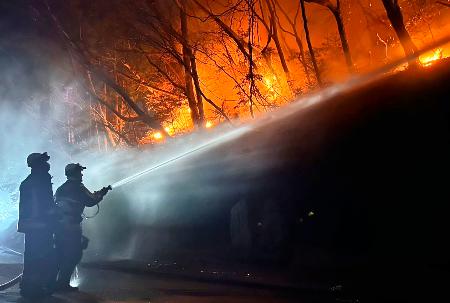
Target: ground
x=99, y=285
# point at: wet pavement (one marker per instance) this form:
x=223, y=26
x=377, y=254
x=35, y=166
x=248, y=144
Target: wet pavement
x=99, y=285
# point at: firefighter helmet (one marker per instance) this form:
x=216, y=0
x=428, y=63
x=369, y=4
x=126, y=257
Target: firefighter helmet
x=37, y=158
x=73, y=169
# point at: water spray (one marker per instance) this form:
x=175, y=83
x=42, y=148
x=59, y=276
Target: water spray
x=224, y=138
x=305, y=102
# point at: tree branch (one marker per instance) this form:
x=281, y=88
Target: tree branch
x=443, y=3
x=239, y=42
x=98, y=73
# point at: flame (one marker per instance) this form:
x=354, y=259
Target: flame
x=170, y=130
x=268, y=83
x=428, y=60
x=271, y=84
x=226, y=82
x=157, y=136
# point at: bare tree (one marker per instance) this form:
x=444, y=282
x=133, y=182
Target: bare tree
x=247, y=47
x=443, y=3
x=308, y=41
x=189, y=64
x=336, y=11
x=395, y=15
x=274, y=34
x=146, y=63
x=240, y=43
x=165, y=38
x=294, y=32
x=86, y=60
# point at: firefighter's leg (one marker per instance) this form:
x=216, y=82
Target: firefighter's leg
x=69, y=255
x=37, y=256
x=52, y=267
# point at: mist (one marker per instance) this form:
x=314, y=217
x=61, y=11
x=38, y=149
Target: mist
x=193, y=192
x=197, y=188
x=203, y=174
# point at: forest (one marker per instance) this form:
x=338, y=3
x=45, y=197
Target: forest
x=141, y=72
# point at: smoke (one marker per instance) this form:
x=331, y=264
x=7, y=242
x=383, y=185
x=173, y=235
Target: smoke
x=34, y=113
x=203, y=174
x=34, y=117
x=136, y=219
x=191, y=182
x=29, y=118
x=34, y=77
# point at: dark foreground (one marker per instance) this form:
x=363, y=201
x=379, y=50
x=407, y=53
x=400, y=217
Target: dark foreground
x=99, y=285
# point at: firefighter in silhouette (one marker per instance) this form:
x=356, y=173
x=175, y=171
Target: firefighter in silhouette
x=37, y=218
x=71, y=198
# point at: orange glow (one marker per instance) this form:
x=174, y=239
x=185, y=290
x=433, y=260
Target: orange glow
x=429, y=59
x=223, y=69
x=157, y=136
x=271, y=85
x=170, y=130
x=180, y=122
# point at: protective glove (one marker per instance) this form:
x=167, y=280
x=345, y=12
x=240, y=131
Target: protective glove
x=105, y=190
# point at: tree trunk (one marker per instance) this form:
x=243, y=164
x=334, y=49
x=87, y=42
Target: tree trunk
x=308, y=40
x=340, y=25
x=336, y=11
x=251, y=74
x=277, y=40
x=189, y=88
x=302, y=56
x=443, y=3
x=394, y=14
x=296, y=35
x=82, y=58
x=198, y=91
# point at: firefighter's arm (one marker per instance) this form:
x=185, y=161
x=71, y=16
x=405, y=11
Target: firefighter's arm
x=91, y=199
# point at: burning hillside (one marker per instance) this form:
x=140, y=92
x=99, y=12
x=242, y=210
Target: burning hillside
x=279, y=163
x=148, y=70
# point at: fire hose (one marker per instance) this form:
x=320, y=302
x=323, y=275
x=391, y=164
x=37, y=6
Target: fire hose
x=15, y=280
x=10, y=283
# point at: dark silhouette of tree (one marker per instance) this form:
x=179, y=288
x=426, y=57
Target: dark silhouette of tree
x=275, y=36
x=293, y=22
x=395, y=16
x=86, y=60
x=443, y=3
x=336, y=11
x=308, y=41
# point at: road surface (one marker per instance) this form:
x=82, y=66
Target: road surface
x=97, y=285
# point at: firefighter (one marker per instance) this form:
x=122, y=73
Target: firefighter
x=71, y=198
x=37, y=218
